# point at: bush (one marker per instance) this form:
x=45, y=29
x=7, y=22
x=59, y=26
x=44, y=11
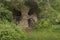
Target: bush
x=11, y=31
x=5, y=13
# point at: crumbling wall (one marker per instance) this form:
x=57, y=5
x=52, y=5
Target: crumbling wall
x=27, y=15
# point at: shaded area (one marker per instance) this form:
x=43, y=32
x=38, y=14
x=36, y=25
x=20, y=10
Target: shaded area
x=17, y=15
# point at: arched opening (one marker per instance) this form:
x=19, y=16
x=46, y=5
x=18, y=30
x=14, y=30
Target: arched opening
x=17, y=16
x=30, y=12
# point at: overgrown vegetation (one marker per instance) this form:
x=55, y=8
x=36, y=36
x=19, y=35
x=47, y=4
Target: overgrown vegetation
x=47, y=28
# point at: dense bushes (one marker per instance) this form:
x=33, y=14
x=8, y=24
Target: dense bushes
x=49, y=15
x=10, y=31
x=5, y=13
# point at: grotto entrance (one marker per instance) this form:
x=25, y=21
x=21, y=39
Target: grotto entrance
x=17, y=16
x=26, y=17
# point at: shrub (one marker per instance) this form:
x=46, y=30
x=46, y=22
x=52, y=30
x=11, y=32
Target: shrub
x=11, y=31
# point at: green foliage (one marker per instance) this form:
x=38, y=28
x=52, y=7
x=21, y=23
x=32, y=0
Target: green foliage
x=5, y=13
x=13, y=4
x=10, y=31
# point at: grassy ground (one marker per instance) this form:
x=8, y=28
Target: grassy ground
x=46, y=34
x=10, y=31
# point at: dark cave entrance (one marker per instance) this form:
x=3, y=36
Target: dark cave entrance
x=17, y=16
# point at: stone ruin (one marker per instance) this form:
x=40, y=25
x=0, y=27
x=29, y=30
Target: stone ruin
x=27, y=16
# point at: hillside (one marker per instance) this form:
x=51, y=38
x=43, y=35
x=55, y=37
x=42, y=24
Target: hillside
x=44, y=25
